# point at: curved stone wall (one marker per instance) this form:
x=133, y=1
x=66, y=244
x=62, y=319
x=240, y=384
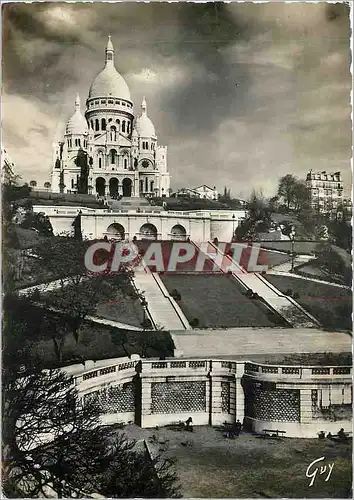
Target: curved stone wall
x=300, y=400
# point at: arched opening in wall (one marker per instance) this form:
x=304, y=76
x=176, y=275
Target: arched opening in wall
x=103, y=124
x=125, y=163
x=151, y=186
x=123, y=126
x=141, y=186
x=113, y=156
x=97, y=125
x=116, y=230
x=146, y=184
x=100, y=162
x=100, y=186
x=128, y=127
x=113, y=187
x=178, y=232
x=127, y=187
x=148, y=232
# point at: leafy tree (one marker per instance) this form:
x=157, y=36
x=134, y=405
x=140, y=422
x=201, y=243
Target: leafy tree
x=258, y=218
x=293, y=192
x=38, y=221
x=341, y=233
x=47, y=185
x=81, y=161
x=33, y=184
x=286, y=189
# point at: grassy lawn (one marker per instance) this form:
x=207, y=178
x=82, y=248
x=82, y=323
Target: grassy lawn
x=217, y=301
x=248, y=467
x=123, y=306
x=331, y=305
x=101, y=342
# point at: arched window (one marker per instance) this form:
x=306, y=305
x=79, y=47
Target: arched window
x=103, y=124
x=141, y=186
x=118, y=122
x=128, y=127
x=123, y=126
x=152, y=186
x=125, y=163
x=146, y=184
x=97, y=125
x=79, y=142
x=100, y=162
x=113, y=155
x=72, y=183
x=92, y=125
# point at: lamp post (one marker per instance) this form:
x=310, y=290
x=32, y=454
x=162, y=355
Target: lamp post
x=233, y=227
x=292, y=238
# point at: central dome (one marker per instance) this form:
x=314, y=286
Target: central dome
x=109, y=83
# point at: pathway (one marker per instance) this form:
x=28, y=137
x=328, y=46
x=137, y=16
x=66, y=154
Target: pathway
x=248, y=341
x=163, y=309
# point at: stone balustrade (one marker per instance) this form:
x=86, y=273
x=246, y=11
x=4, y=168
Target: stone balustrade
x=152, y=392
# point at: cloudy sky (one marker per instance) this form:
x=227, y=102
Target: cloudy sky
x=240, y=93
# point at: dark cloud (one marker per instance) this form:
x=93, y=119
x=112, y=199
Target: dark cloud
x=241, y=93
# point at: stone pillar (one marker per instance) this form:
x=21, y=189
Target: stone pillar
x=305, y=406
x=145, y=399
x=120, y=188
x=216, y=400
x=135, y=185
x=240, y=395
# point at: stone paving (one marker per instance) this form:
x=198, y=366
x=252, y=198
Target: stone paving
x=248, y=341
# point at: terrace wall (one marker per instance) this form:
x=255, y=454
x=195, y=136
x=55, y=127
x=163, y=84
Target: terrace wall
x=301, y=400
x=199, y=225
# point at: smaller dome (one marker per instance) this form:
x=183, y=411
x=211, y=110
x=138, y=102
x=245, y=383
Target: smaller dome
x=77, y=123
x=143, y=125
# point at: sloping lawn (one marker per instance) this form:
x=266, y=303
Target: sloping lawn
x=331, y=305
x=217, y=301
x=101, y=342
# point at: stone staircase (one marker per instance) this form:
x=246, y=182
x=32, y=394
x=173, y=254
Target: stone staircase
x=133, y=203
x=285, y=306
x=163, y=309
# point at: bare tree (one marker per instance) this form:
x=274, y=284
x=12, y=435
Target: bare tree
x=53, y=443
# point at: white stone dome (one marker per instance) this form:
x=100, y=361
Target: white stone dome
x=77, y=123
x=143, y=124
x=109, y=83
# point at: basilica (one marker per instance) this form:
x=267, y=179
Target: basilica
x=108, y=152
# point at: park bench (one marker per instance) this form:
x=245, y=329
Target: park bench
x=340, y=439
x=272, y=434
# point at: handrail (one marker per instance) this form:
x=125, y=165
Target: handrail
x=146, y=307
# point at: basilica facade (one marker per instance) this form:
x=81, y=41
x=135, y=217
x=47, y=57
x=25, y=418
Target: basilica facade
x=107, y=151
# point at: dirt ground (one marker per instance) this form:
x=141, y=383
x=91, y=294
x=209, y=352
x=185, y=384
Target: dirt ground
x=209, y=465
